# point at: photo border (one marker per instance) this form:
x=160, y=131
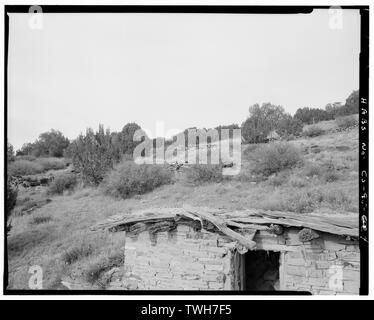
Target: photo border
x=213, y=9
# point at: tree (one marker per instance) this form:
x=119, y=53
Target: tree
x=10, y=153
x=261, y=121
x=52, y=143
x=230, y=127
x=289, y=126
x=26, y=149
x=93, y=154
x=49, y=144
x=11, y=199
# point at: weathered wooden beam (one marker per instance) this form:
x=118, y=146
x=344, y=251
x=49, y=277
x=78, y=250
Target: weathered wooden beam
x=221, y=226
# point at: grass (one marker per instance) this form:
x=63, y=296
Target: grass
x=65, y=247
x=76, y=253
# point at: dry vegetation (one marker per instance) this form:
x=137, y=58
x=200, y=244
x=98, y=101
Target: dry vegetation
x=312, y=173
x=27, y=165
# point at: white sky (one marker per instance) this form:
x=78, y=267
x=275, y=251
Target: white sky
x=185, y=70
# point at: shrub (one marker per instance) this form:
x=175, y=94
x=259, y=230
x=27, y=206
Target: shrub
x=41, y=219
x=261, y=122
x=298, y=182
x=312, y=169
x=304, y=201
x=313, y=131
x=52, y=163
x=66, y=181
x=26, y=157
x=278, y=180
x=201, y=173
x=331, y=176
x=128, y=179
x=249, y=149
x=346, y=122
x=10, y=153
x=11, y=198
x=95, y=270
x=275, y=157
x=337, y=199
x=49, y=144
x=289, y=126
x=24, y=167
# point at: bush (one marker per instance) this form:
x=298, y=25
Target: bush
x=275, y=157
x=11, y=198
x=278, y=179
x=261, y=122
x=95, y=270
x=201, y=173
x=52, y=163
x=312, y=169
x=313, y=131
x=66, y=181
x=298, y=182
x=289, y=127
x=26, y=157
x=346, y=122
x=10, y=153
x=249, y=149
x=331, y=176
x=303, y=201
x=24, y=167
x=49, y=144
x=41, y=219
x=128, y=179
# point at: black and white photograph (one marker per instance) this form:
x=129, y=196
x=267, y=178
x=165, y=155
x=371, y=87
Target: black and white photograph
x=203, y=150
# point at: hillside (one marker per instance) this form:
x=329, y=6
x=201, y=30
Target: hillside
x=56, y=236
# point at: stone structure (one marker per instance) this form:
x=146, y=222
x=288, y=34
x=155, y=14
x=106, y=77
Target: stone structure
x=193, y=252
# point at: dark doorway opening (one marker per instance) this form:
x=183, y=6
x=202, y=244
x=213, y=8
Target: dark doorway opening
x=261, y=270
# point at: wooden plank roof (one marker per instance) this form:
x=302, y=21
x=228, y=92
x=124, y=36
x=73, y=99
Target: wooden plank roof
x=344, y=224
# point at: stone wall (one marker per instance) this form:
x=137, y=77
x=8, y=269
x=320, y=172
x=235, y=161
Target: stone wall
x=326, y=265
x=182, y=259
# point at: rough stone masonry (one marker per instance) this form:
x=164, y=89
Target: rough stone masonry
x=186, y=259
